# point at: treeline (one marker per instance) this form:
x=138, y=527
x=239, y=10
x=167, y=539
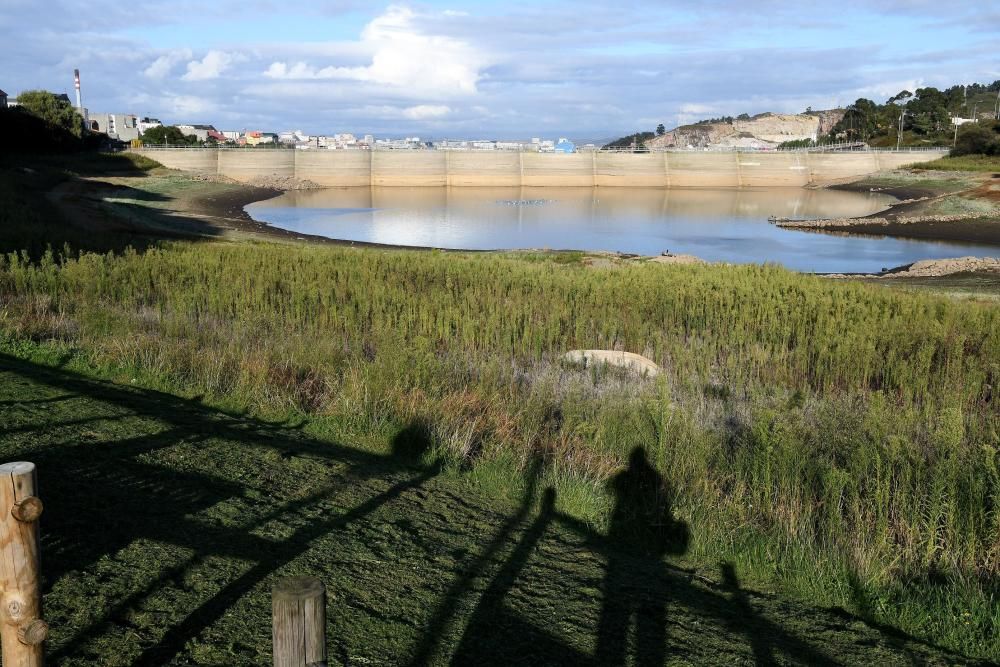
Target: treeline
x=919, y=117
x=44, y=123
x=638, y=139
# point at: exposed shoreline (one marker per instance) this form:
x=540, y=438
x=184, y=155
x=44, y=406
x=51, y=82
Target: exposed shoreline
x=915, y=215
x=212, y=207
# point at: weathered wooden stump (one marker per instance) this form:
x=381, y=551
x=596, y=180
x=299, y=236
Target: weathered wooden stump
x=299, y=615
x=22, y=631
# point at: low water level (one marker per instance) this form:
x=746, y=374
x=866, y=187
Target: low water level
x=718, y=225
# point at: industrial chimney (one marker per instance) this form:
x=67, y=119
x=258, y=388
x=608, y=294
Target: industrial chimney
x=76, y=83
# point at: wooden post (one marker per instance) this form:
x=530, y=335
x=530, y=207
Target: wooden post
x=22, y=630
x=299, y=608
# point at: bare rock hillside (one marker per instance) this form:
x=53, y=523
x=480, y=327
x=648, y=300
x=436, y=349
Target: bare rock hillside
x=762, y=131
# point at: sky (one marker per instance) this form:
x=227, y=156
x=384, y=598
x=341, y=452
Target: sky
x=589, y=70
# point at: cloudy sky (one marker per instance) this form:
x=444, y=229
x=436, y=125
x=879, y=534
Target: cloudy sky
x=494, y=69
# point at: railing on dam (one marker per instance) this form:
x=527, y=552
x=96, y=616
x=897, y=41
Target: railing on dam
x=840, y=148
x=345, y=168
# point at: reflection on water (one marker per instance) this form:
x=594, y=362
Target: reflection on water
x=719, y=225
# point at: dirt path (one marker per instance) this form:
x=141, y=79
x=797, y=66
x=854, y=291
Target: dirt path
x=202, y=510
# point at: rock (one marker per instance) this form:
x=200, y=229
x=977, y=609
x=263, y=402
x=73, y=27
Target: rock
x=627, y=360
x=944, y=267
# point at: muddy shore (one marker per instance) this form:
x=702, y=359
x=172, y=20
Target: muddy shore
x=913, y=216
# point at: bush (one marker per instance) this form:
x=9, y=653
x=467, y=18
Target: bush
x=978, y=139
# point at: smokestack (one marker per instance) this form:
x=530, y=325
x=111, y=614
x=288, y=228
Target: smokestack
x=76, y=83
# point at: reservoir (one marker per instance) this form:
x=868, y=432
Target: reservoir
x=719, y=225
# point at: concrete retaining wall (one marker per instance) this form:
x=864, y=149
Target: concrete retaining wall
x=437, y=168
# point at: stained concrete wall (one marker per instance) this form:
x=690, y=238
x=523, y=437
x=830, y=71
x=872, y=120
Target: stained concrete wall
x=437, y=168
x=247, y=165
x=469, y=169
x=351, y=168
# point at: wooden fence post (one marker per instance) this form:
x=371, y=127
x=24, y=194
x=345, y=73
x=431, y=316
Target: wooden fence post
x=299, y=622
x=22, y=630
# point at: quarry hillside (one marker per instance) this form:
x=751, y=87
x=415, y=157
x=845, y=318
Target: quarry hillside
x=765, y=130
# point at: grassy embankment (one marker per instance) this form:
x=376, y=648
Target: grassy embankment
x=985, y=163
x=833, y=441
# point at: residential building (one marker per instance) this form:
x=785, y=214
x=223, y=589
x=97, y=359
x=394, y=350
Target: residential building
x=3, y=100
x=257, y=137
x=124, y=127
x=148, y=124
x=232, y=135
x=198, y=131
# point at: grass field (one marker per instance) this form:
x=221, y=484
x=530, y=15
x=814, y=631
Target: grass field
x=834, y=443
x=989, y=163
x=201, y=510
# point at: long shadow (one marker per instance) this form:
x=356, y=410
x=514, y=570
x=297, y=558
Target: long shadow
x=637, y=589
x=177, y=636
x=448, y=607
x=496, y=636
x=766, y=638
x=135, y=498
x=642, y=527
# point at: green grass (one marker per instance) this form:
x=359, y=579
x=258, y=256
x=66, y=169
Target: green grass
x=167, y=522
x=835, y=442
x=826, y=438
x=988, y=163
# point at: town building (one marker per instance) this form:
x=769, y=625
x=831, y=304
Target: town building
x=198, y=131
x=124, y=127
x=3, y=100
x=256, y=138
x=148, y=124
x=564, y=145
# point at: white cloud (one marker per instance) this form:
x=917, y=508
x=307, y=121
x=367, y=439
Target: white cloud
x=426, y=111
x=186, y=105
x=160, y=67
x=696, y=108
x=211, y=66
x=404, y=58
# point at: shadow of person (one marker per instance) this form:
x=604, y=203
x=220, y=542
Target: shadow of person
x=642, y=531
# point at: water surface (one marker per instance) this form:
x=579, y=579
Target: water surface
x=726, y=225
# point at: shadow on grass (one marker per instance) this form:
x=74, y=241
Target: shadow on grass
x=133, y=498
x=87, y=215
x=494, y=608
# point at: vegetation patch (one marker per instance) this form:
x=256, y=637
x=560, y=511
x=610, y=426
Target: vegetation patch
x=832, y=440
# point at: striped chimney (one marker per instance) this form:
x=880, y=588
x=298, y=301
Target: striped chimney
x=76, y=84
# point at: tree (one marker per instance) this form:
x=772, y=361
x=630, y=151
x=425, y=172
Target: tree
x=977, y=138
x=53, y=110
x=660, y=130
x=901, y=96
x=167, y=134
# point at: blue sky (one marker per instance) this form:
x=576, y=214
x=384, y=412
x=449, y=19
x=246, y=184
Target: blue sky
x=584, y=69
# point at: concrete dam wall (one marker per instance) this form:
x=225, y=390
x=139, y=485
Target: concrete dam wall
x=335, y=168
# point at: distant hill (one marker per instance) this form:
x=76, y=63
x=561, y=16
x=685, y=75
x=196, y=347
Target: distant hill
x=767, y=130
x=638, y=140
x=926, y=119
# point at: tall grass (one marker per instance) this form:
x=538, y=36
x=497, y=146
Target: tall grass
x=836, y=437
x=961, y=163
